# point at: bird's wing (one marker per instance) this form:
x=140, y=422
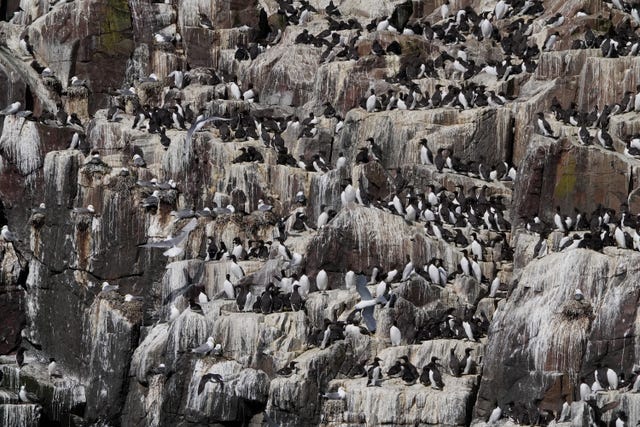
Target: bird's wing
x=369, y=320
x=176, y=240
x=407, y=271
x=608, y=406
x=203, y=122
x=381, y=299
x=361, y=287
x=174, y=251
x=203, y=382
x=204, y=348
x=160, y=244
x=177, y=292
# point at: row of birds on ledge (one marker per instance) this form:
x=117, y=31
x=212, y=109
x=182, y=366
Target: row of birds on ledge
x=464, y=21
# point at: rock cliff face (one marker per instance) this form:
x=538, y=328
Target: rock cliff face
x=212, y=224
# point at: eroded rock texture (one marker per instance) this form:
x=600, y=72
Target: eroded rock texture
x=226, y=185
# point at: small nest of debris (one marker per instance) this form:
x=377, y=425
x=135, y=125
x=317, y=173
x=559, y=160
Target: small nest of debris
x=259, y=219
x=123, y=184
x=90, y=169
x=165, y=46
x=37, y=220
x=123, y=100
x=148, y=91
x=77, y=92
x=169, y=197
x=204, y=76
x=132, y=310
x=235, y=218
x=574, y=310
x=52, y=83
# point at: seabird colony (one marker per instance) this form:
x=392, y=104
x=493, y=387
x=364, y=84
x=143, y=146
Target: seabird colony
x=472, y=219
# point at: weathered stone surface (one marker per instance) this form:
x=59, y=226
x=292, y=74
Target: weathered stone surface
x=559, y=349
x=14, y=272
x=245, y=393
x=85, y=39
x=553, y=177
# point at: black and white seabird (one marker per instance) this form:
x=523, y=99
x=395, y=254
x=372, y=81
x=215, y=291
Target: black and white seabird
x=288, y=370
x=20, y=357
x=374, y=373
x=585, y=136
x=555, y=21
x=27, y=397
x=604, y=139
x=205, y=348
x=409, y=372
x=454, y=363
x=205, y=22
x=371, y=101
x=106, y=287
x=550, y=43
x=211, y=377
x=7, y=235
x=341, y=394
x=543, y=126
x=11, y=109
x=435, y=378
x=466, y=364
x=395, y=335
x=52, y=368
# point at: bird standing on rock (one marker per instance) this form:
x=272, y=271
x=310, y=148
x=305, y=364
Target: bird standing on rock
x=288, y=370
x=235, y=268
x=435, y=378
x=371, y=101
x=228, y=288
x=204, y=348
x=7, y=235
x=409, y=372
x=52, y=368
x=395, y=335
x=341, y=394
x=543, y=126
x=374, y=374
x=27, y=397
x=20, y=357
x=11, y=109
x=454, y=363
x=322, y=281
x=466, y=364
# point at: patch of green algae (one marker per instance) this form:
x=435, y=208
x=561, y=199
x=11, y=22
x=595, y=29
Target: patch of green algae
x=115, y=28
x=567, y=178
